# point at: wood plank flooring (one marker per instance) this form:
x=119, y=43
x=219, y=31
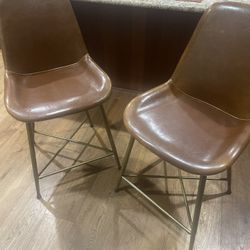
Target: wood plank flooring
x=80, y=209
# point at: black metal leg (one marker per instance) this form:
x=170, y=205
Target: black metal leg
x=125, y=161
x=30, y=134
x=111, y=141
x=197, y=210
x=229, y=181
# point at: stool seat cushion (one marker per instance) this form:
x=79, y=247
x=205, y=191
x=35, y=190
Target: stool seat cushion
x=189, y=133
x=57, y=92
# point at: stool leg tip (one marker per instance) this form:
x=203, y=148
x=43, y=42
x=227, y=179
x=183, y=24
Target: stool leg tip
x=38, y=196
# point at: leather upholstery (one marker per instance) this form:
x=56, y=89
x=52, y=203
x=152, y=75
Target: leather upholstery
x=57, y=92
x=216, y=63
x=186, y=132
x=48, y=72
x=198, y=120
x=39, y=35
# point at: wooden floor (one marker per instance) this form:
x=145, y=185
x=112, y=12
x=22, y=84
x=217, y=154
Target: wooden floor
x=80, y=209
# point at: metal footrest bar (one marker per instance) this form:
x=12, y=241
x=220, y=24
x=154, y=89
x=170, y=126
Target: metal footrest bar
x=86, y=144
x=200, y=194
x=74, y=166
x=63, y=146
x=73, y=141
x=173, y=177
x=30, y=127
x=157, y=206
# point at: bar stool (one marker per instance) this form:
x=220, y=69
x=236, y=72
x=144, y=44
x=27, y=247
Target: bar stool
x=199, y=120
x=48, y=71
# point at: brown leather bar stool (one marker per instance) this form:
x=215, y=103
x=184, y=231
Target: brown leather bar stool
x=199, y=120
x=48, y=71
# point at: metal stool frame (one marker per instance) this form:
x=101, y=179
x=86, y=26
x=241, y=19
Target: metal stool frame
x=200, y=194
x=30, y=127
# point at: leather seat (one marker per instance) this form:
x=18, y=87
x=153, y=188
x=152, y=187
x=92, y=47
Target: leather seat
x=54, y=93
x=189, y=133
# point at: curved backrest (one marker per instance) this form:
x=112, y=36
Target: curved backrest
x=38, y=35
x=215, y=67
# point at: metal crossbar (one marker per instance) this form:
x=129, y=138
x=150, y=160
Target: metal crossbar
x=74, y=166
x=73, y=141
x=157, y=206
x=68, y=140
x=60, y=149
x=201, y=187
x=30, y=128
x=180, y=178
x=174, y=177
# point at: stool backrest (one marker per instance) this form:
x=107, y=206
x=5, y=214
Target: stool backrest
x=38, y=35
x=215, y=67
